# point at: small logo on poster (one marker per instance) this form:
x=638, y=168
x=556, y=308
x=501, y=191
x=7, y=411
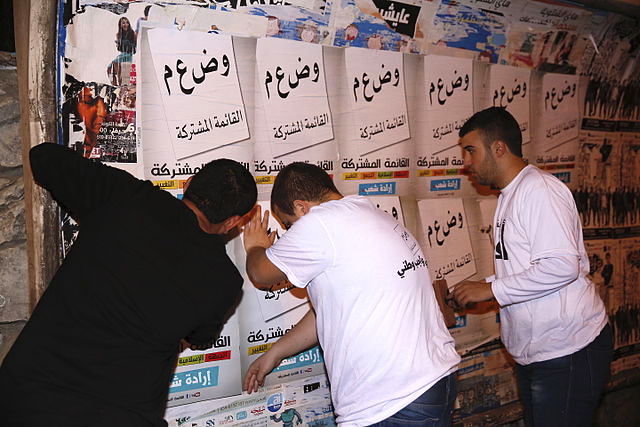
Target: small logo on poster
x=377, y=189
x=461, y=322
x=241, y=415
x=274, y=402
x=563, y=176
x=308, y=388
x=445, y=184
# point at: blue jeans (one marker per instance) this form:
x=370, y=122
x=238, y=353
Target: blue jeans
x=565, y=391
x=432, y=408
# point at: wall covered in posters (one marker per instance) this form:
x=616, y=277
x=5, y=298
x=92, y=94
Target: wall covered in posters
x=374, y=92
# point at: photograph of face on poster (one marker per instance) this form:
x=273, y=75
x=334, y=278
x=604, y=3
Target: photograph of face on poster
x=100, y=121
x=99, y=96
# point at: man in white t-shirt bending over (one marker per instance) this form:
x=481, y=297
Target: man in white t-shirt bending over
x=389, y=356
x=552, y=320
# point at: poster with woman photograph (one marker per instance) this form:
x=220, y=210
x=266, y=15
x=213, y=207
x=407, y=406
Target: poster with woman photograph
x=100, y=90
x=101, y=44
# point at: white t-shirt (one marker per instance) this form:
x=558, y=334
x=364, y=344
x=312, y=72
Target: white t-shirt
x=383, y=335
x=549, y=308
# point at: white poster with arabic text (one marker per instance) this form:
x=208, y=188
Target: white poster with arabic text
x=560, y=111
x=211, y=373
x=282, y=297
x=292, y=84
x=198, y=81
x=445, y=239
x=161, y=165
x=449, y=101
x=260, y=325
x=509, y=87
x=377, y=95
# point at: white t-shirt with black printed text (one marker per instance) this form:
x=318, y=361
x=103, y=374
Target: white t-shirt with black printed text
x=383, y=335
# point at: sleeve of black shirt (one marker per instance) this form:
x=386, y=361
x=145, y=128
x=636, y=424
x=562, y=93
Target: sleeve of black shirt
x=208, y=332
x=78, y=184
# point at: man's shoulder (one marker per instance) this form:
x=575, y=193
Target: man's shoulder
x=346, y=204
x=211, y=263
x=536, y=179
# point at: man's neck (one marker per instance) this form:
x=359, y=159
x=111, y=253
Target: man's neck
x=510, y=171
x=331, y=196
x=203, y=222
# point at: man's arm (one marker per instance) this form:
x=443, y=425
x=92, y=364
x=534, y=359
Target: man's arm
x=551, y=220
x=544, y=277
x=302, y=337
x=256, y=240
x=79, y=184
x=551, y=223
x=470, y=291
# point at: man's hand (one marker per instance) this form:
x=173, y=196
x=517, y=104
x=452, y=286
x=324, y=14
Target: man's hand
x=255, y=231
x=260, y=367
x=469, y=291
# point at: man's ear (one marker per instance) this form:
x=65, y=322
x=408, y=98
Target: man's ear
x=300, y=207
x=499, y=148
x=231, y=222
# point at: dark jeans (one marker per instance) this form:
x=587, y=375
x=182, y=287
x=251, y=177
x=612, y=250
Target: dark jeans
x=566, y=391
x=432, y=408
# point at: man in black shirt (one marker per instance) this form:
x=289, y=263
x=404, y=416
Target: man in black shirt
x=146, y=271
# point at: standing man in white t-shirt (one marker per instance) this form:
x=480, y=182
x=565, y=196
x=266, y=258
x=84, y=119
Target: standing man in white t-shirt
x=552, y=320
x=389, y=356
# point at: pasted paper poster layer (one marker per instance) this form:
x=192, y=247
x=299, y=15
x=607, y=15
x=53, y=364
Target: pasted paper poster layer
x=198, y=82
x=292, y=84
x=445, y=239
x=509, y=87
x=377, y=95
x=449, y=104
x=559, y=106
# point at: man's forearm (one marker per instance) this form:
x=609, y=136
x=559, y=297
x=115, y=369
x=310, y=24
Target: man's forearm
x=302, y=337
x=544, y=277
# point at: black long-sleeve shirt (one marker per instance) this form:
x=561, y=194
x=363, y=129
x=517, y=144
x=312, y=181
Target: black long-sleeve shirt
x=140, y=276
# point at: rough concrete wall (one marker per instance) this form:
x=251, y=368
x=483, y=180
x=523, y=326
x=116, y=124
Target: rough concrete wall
x=14, y=289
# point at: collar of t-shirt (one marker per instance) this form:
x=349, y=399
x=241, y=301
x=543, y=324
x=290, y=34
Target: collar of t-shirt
x=514, y=182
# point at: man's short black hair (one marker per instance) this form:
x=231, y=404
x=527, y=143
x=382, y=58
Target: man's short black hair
x=300, y=181
x=221, y=189
x=496, y=124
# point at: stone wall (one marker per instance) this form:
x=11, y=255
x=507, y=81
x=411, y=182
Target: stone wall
x=14, y=289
